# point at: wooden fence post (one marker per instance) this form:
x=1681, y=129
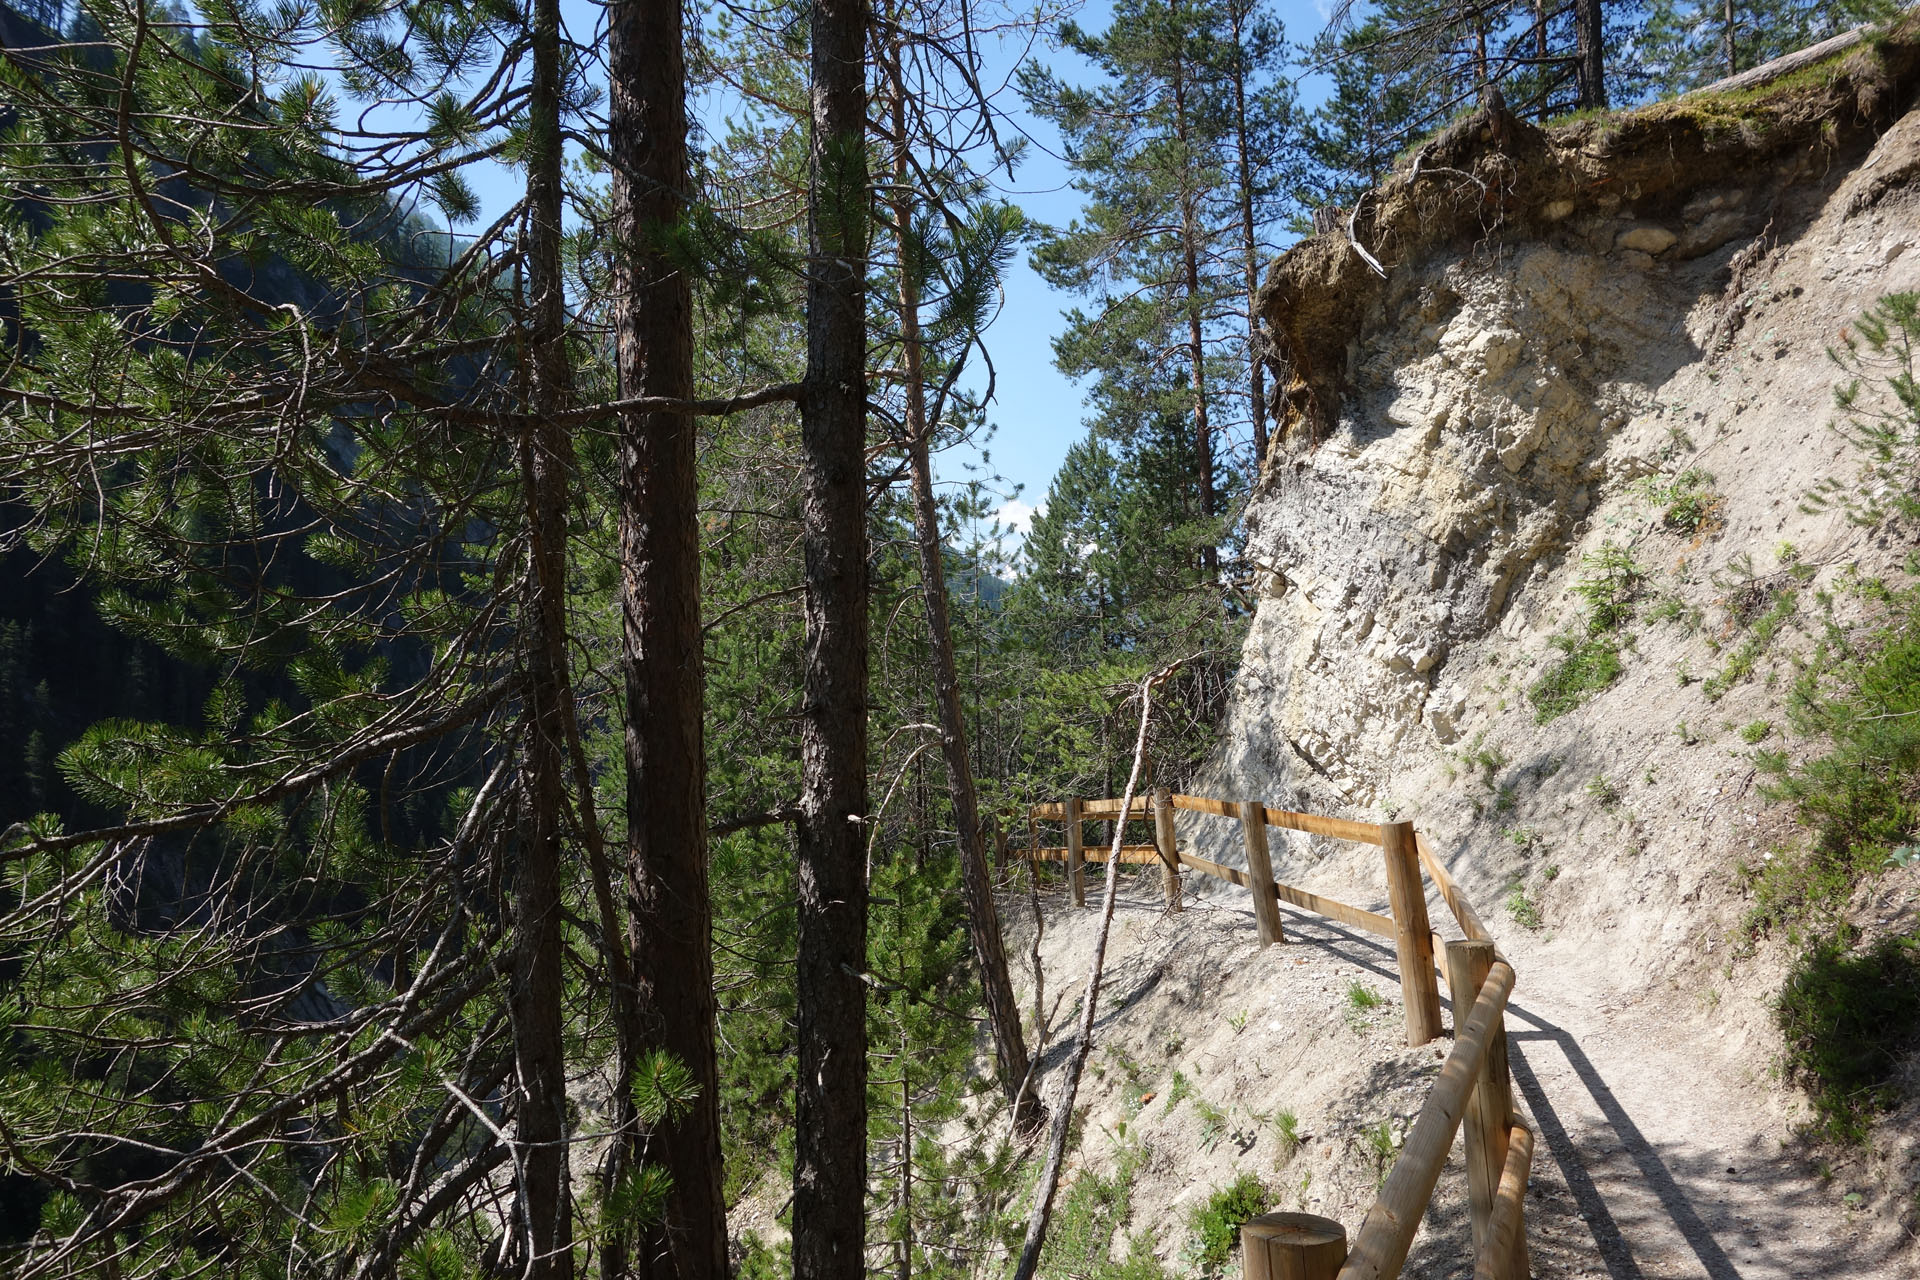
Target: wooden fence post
x=1266, y=903
x=1413, y=936
x=1489, y=1110
x=1505, y=1256
x=1163, y=840
x=1075, y=879
x=1291, y=1246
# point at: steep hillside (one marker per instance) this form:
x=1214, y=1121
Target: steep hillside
x=1538, y=562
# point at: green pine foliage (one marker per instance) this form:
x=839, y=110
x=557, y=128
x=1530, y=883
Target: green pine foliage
x=269, y=613
x=1850, y=1015
x=1685, y=44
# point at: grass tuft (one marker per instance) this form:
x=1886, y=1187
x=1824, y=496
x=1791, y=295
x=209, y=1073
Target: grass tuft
x=1216, y=1224
x=1524, y=910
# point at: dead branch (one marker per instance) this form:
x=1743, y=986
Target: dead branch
x=1083, y=1037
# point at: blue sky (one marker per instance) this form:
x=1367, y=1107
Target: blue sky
x=1036, y=410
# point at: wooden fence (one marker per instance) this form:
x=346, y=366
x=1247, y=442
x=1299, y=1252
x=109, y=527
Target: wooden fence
x=1474, y=1087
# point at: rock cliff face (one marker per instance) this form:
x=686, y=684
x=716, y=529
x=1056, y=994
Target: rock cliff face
x=1464, y=429
x=1578, y=333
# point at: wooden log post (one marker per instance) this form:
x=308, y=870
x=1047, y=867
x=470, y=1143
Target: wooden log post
x=1291, y=1246
x=1380, y=1247
x=1413, y=935
x=1076, y=878
x=1163, y=840
x=1489, y=1110
x=1505, y=1256
x=1266, y=904
x=999, y=844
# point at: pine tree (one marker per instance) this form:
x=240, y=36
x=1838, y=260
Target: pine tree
x=829, y=1209
x=282, y=426
x=1688, y=43
x=1148, y=147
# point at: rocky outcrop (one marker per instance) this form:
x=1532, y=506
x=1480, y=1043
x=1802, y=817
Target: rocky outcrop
x=1637, y=186
x=1638, y=306
x=1459, y=425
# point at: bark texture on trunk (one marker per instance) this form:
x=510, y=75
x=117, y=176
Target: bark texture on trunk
x=830, y=1142
x=1250, y=248
x=544, y=1246
x=667, y=902
x=1196, y=337
x=1590, y=64
x=983, y=918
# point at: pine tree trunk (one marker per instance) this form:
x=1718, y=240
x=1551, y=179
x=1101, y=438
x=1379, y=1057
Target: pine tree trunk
x=534, y=1004
x=1733, y=61
x=669, y=912
x=983, y=918
x=1250, y=248
x=905, y=1270
x=1540, y=52
x=830, y=1140
x=1590, y=53
x=1196, y=344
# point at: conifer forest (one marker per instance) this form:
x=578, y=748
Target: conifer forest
x=513, y=690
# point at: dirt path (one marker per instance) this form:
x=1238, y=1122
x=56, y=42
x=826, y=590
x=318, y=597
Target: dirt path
x=1656, y=1160
x=1665, y=1152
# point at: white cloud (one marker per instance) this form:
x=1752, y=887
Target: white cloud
x=1018, y=516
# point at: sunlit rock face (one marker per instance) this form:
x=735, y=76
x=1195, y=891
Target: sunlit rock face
x=1503, y=404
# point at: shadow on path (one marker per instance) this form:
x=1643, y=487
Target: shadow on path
x=1378, y=957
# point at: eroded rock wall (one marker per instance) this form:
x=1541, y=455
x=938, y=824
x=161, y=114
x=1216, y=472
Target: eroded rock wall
x=1499, y=398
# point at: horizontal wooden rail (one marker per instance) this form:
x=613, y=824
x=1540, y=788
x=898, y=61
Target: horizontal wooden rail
x=1204, y=804
x=1387, y=1234
x=1142, y=808
x=1474, y=1080
x=1371, y=921
x=1314, y=824
x=1056, y=810
x=1128, y=853
x=1470, y=923
x=1311, y=823
x=1506, y=1240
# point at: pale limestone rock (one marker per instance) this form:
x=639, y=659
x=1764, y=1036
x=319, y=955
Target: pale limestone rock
x=1710, y=232
x=1646, y=239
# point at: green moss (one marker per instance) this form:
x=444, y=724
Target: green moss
x=1815, y=75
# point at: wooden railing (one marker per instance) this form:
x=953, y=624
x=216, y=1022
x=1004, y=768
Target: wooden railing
x=1474, y=1087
